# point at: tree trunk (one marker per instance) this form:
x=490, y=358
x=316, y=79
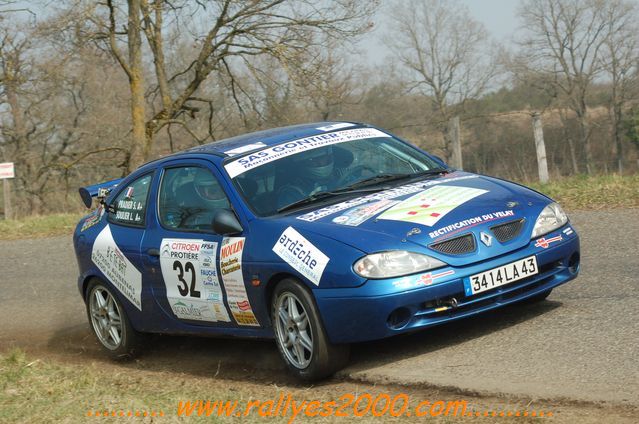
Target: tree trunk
x=584, y=134
x=616, y=129
x=540, y=147
x=140, y=142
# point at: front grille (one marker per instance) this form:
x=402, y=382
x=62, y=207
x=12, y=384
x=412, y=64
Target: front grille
x=508, y=231
x=456, y=246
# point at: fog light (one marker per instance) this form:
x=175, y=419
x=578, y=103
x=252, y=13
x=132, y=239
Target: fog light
x=398, y=318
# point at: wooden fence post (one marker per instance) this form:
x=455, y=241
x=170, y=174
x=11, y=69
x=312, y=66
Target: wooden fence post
x=540, y=147
x=6, y=190
x=455, y=141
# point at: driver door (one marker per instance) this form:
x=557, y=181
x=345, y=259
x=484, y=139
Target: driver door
x=184, y=252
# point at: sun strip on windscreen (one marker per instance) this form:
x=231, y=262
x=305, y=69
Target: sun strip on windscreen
x=262, y=157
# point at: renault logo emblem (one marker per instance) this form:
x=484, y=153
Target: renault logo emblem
x=486, y=239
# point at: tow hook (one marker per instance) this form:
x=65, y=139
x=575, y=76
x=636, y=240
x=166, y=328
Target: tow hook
x=444, y=305
x=452, y=303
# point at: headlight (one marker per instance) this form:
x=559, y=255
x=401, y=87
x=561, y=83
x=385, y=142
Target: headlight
x=551, y=218
x=394, y=264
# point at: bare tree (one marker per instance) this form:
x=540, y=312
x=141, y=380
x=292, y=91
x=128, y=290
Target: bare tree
x=564, y=41
x=447, y=53
x=326, y=80
x=224, y=34
x=620, y=55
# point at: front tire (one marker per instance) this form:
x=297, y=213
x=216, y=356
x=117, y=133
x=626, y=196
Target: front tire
x=109, y=322
x=300, y=335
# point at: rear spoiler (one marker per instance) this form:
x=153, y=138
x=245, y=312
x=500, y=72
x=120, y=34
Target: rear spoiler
x=100, y=191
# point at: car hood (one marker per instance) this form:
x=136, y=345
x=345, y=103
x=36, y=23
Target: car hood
x=420, y=215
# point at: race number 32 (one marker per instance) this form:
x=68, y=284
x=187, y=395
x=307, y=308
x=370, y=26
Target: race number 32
x=183, y=287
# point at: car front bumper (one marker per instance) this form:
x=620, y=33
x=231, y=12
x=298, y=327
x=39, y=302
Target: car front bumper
x=383, y=308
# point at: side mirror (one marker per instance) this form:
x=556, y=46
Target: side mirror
x=225, y=223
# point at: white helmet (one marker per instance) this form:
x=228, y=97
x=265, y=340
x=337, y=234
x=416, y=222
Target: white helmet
x=208, y=189
x=320, y=162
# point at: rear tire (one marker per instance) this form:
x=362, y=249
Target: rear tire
x=109, y=322
x=300, y=335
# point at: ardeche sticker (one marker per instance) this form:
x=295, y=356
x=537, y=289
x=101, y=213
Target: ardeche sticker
x=301, y=254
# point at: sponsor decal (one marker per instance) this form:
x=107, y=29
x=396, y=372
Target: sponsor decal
x=470, y=222
x=192, y=285
x=93, y=218
x=244, y=149
x=423, y=280
x=337, y=126
x=231, y=269
x=431, y=205
x=568, y=231
x=386, y=194
x=289, y=148
x=129, y=210
x=544, y=242
x=301, y=254
x=359, y=214
x=117, y=268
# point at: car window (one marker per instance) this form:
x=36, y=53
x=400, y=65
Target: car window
x=277, y=183
x=189, y=197
x=130, y=204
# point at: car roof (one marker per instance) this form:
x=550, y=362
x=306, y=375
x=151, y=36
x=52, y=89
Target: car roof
x=271, y=137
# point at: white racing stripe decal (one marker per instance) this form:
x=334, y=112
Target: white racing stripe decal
x=337, y=126
x=116, y=267
x=243, y=149
x=283, y=150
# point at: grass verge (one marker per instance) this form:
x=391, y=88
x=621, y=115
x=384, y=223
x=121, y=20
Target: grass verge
x=38, y=226
x=50, y=391
x=596, y=192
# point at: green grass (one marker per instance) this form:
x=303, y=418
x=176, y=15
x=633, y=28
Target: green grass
x=43, y=390
x=599, y=192
x=38, y=226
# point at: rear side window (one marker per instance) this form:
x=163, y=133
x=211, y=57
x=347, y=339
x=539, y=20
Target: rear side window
x=130, y=204
x=189, y=197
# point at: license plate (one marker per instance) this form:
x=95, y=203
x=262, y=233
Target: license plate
x=501, y=276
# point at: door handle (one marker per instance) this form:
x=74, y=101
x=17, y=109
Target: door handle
x=153, y=252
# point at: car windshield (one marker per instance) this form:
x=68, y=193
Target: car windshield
x=274, y=180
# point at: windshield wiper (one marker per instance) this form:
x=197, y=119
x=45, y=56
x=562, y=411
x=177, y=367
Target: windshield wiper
x=325, y=194
x=393, y=177
x=355, y=187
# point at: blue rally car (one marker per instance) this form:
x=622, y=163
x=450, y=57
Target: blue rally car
x=317, y=235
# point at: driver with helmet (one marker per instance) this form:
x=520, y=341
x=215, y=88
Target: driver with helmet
x=197, y=202
x=317, y=172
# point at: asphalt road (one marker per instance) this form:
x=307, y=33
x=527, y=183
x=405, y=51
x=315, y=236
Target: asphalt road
x=581, y=344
